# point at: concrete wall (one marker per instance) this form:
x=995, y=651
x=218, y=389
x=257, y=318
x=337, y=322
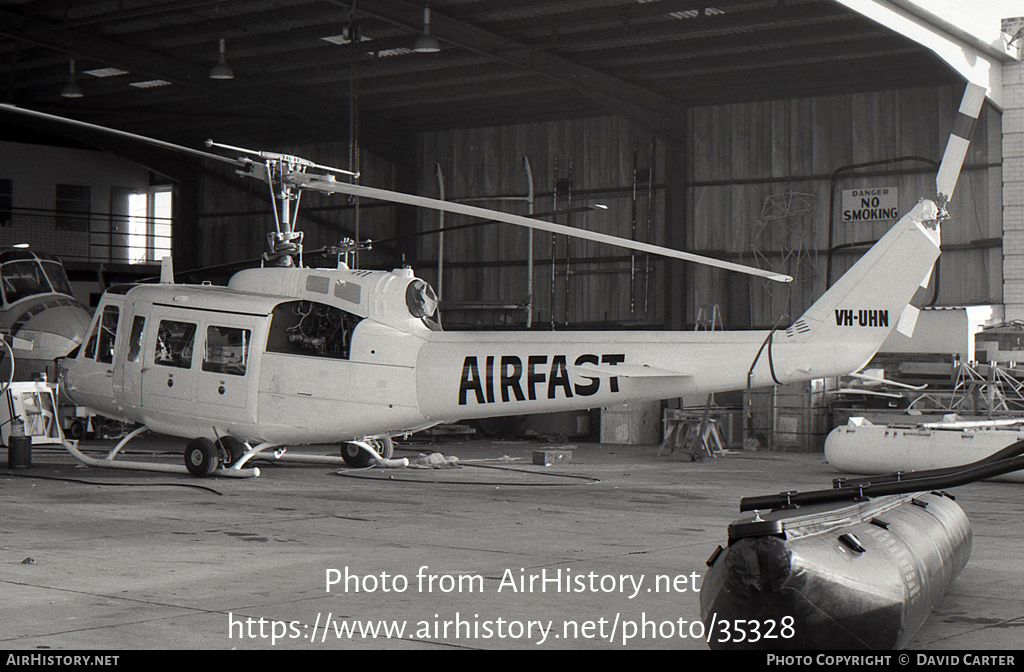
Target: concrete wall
x=36, y=169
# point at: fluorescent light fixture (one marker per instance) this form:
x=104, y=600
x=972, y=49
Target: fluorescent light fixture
x=150, y=84
x=105, y=72
x=694, y=13
x=344, y=39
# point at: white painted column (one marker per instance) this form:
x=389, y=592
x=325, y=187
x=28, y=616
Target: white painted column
x=1013, y=189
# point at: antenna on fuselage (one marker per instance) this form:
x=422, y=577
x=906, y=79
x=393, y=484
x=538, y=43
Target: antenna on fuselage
x=166, y=271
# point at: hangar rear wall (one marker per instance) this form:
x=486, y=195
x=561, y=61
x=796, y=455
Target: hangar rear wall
x=738, y=157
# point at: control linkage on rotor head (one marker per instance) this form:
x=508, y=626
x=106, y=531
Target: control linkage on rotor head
x=283, y=246
x=346, y=250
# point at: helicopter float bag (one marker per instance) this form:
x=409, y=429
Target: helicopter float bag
x=851, y=576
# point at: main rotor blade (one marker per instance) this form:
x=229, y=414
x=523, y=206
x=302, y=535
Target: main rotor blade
x=959, y=141
x=305, y=181
x=124, y=134
x=448, y=229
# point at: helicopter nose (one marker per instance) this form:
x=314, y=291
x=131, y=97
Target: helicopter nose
x=56, y=331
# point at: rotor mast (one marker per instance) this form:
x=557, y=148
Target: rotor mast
x=284, y=244
x=282, y=173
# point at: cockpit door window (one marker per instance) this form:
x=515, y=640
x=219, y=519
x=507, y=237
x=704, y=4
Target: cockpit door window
x=108, y=335
x=135, y=340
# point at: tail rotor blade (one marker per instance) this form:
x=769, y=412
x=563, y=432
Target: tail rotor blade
x=959, y=141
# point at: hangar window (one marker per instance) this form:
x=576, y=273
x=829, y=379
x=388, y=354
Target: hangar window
x=6, y=202
x=72, y=205
x=227, y=350
x=142, y=223
x=312, y=329
x=174, y=344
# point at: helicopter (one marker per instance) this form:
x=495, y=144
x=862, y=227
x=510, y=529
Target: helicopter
x=289, y=355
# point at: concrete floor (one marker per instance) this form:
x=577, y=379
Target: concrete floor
x=131, y=560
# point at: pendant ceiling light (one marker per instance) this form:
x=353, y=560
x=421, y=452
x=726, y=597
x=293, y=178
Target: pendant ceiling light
x=426, y=44
x=71, y=88
x=222, y=70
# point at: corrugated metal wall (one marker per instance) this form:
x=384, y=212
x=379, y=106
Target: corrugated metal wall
x=744, y=153
x=574, y=163
x=740, y=155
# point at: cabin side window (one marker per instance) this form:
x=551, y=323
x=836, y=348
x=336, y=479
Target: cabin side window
x=174, y=344
x=135, y=340
x=312, y=329
x=107, y=335
x=227, y=350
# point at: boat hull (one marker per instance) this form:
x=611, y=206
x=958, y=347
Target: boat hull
x=882, y=449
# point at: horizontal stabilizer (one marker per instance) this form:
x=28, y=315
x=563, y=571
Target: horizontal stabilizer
x=908, y=320
x=886, y=381
x=626, y=371
x=869, y=393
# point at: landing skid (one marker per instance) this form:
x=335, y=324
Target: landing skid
x=373, y=458
x=110, y=463
x=236, y=470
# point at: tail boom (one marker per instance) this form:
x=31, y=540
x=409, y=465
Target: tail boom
x=463, y=375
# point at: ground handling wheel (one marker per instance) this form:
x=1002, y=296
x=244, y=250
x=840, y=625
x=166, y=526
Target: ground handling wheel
x=76, y=430
x=229, y=450
x=358, y=458
x=201, y=457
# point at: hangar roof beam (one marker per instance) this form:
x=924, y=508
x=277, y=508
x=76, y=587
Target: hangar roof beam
x=976, y=52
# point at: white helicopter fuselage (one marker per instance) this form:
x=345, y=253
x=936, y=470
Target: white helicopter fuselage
x=311, y=355
x=201, y=360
